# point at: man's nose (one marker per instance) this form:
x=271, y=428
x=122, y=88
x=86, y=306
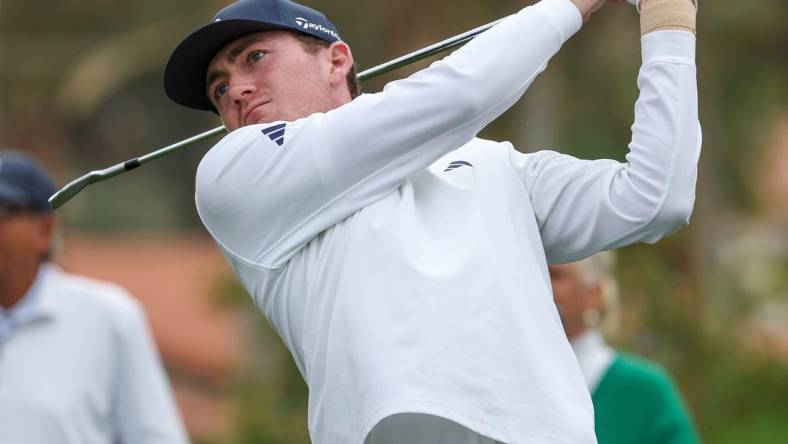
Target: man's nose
x=241, y=91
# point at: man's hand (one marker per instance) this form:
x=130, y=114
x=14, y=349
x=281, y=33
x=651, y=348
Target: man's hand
x=588, y=7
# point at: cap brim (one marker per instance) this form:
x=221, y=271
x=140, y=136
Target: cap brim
x=184, y=76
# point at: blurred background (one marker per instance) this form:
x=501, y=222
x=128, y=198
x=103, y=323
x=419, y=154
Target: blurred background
x=80, y=89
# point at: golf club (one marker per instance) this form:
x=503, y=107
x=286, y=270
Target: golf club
x=74, y=187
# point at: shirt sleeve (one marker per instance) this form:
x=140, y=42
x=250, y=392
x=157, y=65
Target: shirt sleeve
x=265, y=191
x=144, y=411
x=586, y=206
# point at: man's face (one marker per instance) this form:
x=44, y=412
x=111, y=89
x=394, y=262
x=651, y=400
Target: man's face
x=573, y=297
x=268, y=76
x=24, y=239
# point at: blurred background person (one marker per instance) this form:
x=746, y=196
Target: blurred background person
x=635, y=401
x=77, y=362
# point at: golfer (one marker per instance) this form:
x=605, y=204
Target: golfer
x=402, y=260
x=78, y=364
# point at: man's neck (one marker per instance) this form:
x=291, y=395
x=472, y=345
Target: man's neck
x=14, y=286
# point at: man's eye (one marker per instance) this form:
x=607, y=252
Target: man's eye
x=256, y=56
x=221, y=90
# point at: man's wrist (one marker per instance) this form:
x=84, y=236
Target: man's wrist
x=564, y=15
x=659, y=15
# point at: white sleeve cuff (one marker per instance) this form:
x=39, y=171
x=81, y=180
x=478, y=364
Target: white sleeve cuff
x=668, y=46
x=564, y=15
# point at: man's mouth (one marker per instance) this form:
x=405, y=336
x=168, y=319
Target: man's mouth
x=252, y=110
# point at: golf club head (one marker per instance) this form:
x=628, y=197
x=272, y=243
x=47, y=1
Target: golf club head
x=71, y=189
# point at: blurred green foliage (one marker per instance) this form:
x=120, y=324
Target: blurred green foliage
x=80, y=87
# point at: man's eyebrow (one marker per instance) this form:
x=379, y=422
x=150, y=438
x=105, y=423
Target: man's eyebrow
x=240, y=47
x=243, y=44
x=235, y=51
x=212, y=76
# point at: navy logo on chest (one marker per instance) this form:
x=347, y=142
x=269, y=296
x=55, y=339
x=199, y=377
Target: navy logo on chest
x=457, y=164
x=276, y=133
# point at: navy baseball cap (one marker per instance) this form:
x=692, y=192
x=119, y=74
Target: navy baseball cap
x=23, y=183
x=184, y=77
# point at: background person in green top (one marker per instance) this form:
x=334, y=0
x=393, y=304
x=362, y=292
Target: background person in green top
x=635, y=400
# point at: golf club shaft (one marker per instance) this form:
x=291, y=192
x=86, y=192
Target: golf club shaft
x=74, y=187
x=421, y=54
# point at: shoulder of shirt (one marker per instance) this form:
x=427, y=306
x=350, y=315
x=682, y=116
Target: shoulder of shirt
x=273, y=135
x=479, y=143
x=483, y=151
x=88, y=294
x=267, y=133
x=481, y=148
x=233, y=141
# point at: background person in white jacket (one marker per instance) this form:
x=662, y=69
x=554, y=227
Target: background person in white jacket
x=402, y=260
x=77, y=362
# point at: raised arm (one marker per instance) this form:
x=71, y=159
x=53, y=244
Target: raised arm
x=586, y=206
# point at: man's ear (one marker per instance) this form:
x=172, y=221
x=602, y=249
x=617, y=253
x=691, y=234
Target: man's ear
x=341, y=62
x=595, y=298
x=46, y=230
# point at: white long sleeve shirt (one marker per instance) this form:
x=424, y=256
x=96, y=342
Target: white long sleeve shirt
x=404, y=261
x=78, y=366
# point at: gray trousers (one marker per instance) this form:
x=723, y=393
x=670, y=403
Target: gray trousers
x=412, y=428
